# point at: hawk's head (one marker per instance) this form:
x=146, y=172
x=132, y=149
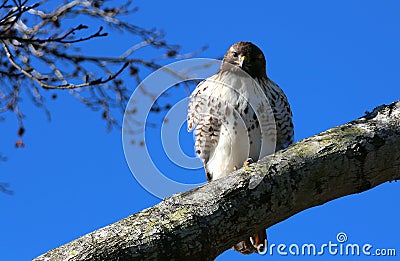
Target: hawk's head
x=248, y=57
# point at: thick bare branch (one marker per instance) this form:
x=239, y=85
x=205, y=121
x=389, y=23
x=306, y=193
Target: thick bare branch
x=202, y=223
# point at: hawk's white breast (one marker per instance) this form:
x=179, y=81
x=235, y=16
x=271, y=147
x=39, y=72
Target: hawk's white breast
x=233, y=121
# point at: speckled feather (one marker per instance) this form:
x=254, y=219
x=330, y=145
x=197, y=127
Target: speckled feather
x=236, y=114
x=216, y=108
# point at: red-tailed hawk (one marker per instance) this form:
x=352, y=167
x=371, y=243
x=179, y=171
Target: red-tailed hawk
x=239, y=114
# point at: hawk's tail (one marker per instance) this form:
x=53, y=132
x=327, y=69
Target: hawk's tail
x=254, y=244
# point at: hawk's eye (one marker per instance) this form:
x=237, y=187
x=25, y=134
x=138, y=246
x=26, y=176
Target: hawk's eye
x=235, y=54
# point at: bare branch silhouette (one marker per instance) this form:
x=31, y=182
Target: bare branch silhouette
x=40, y=51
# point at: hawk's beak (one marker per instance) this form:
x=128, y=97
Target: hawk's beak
x=241, y=60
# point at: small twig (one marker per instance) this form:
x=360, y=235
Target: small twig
x=33, y=38
x=59, y=39
x=62, y=86
x=4, y=188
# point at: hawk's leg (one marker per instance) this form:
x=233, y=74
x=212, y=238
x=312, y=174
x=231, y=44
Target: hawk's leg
x=260, y=241
x=248, y=162
x=254, y=244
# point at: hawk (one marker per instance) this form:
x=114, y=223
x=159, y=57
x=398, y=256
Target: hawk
x=238, y=115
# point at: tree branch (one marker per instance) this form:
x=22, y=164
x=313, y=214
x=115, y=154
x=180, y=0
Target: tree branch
x=63, y=86
x=41, y=49
x=202, y=223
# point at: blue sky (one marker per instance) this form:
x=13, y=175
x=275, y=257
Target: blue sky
x=334, y=60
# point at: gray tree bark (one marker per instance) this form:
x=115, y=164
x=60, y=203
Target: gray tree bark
x=202, y=223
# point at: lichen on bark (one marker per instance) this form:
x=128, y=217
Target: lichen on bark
x=202, y=223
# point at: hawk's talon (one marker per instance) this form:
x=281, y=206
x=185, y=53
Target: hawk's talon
x=245, y=247
x=248, y=162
